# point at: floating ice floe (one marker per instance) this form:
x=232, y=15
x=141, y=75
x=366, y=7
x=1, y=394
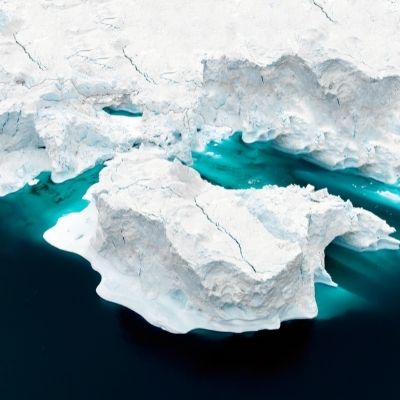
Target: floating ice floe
x=186, y=254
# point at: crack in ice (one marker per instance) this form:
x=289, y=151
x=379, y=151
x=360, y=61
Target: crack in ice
x=323, y=11
x=18, y=119
x=5, y=122
x=41, y=67
x=137, y=69
x=223, y=230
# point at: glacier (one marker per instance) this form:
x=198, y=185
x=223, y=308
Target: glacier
x=183, y=74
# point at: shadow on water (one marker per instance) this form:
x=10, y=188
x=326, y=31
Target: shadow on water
x=263, y=352
x=372, y=276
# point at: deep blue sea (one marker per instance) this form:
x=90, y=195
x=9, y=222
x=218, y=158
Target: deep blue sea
x=59, y=340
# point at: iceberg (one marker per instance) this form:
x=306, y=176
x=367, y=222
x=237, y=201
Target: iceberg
x=186, y=254
x=328, y=89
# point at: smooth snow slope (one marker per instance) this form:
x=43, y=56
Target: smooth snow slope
x=64, y=60
x=186, y=254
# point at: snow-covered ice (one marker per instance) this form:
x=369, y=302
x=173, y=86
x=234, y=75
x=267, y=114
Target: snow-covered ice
x=318, y=78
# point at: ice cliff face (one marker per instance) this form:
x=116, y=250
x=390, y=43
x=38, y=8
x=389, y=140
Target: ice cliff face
x=327, y=88
x=332, y=113
x=186, y=254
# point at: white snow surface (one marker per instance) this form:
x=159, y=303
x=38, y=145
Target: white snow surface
x=186, y=254
x=319, y=78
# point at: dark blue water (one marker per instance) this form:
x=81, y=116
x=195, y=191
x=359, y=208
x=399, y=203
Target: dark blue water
x=59, y=340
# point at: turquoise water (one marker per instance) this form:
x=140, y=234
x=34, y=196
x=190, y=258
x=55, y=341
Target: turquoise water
x=59, y=340
x=37, y=208
x=123, y=112
x=364, y=279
